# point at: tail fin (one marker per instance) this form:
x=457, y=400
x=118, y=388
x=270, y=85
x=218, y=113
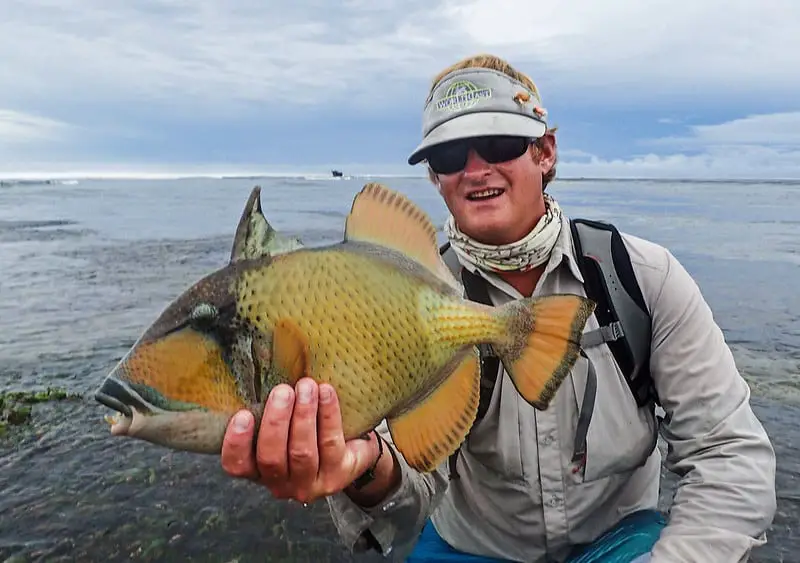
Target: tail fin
x=543, y=343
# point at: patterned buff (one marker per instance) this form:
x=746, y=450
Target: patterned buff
x=525, y=254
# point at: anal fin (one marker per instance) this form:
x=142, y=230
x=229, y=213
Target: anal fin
x=434, y=429
x=290, y=353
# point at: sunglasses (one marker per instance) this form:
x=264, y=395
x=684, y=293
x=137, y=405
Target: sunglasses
x=451, y=157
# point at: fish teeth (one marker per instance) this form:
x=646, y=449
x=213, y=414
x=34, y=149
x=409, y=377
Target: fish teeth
x=113, y=419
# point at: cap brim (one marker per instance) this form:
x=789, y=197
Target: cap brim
x=479, y=124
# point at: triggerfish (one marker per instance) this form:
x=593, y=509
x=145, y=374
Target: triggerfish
x=378, y=316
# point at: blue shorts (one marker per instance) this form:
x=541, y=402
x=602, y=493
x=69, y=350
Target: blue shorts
x=632, y=537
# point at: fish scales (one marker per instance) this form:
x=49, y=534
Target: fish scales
x=368, y=329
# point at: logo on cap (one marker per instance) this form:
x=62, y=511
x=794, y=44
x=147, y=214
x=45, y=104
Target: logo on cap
x=461, y=95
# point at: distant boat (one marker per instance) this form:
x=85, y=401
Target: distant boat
x=337, y=173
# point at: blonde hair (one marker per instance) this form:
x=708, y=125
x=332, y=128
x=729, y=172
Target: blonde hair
x=496, y=63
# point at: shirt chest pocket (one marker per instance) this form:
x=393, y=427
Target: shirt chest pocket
x=612, y=434
x=495, y=443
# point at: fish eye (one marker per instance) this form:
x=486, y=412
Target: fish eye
x=204, y=315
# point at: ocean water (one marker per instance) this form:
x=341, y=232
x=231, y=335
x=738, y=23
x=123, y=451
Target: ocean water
x=85, y=267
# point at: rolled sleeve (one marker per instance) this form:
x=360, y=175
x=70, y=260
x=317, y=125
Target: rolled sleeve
x=725, y=500
x=396, y=522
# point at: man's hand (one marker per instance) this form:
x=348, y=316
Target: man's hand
x=301, y=452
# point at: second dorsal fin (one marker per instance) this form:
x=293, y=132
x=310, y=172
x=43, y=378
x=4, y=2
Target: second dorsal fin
x=388, y=218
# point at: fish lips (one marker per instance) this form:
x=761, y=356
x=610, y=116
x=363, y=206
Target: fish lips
x=119, y=397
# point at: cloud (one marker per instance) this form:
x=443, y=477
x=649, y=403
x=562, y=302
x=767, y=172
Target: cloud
x=156, y=82
x=24, y=136
x=18, y=127
x=757, y=146
x=751, y=164
x=773, y=130
x=217, y=54
x=184, y=53
x=675, y=47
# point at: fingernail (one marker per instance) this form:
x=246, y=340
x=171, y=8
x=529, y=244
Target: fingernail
x=325, y=394
x=241, y=422
x=281, y=397
x=304, y=392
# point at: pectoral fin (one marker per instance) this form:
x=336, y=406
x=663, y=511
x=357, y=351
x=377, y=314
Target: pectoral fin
x=433, y=430
x=290, y=353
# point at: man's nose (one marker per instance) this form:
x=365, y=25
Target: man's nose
x=475, y=165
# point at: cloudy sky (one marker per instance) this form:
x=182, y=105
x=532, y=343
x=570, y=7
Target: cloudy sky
x=648, y=88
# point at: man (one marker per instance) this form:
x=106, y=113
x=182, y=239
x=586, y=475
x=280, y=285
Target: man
x=573, y=482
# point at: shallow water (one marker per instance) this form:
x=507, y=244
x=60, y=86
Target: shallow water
x=84, y=268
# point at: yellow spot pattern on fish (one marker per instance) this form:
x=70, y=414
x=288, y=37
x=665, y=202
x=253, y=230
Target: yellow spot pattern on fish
x=364, y=333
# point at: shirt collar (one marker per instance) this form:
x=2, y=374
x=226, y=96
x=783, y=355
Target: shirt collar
x=564, y=251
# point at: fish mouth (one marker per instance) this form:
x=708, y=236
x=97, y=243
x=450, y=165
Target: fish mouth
x=190, y=429
x=119, y=396
x=127, y=403
x=113, y=395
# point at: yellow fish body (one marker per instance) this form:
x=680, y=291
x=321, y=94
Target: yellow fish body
x=377, y=315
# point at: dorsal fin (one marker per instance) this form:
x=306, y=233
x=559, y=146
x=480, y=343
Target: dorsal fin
x=255, y=237
x=388, y=218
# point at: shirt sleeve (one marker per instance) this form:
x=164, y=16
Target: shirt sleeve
x=394, y=524
x=725, y=499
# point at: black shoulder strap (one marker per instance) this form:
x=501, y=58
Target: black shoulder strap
x=476, y=289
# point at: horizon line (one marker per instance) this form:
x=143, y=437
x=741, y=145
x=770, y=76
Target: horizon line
x=40, y=178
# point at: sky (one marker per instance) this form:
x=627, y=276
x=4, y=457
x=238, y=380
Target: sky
x=652, y=88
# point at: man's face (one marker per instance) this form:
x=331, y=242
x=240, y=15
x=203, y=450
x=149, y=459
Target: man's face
x=498, y=203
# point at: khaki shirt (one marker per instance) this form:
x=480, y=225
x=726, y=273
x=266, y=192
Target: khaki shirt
x=520, y=496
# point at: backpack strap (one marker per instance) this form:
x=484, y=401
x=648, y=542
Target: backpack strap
x=477, y=289
x=625, y=324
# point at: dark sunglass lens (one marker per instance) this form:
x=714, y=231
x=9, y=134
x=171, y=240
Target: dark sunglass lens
x=448, y=158
x=501, y=149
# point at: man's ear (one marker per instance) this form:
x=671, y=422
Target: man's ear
x=434, y=179
x=545, y=151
